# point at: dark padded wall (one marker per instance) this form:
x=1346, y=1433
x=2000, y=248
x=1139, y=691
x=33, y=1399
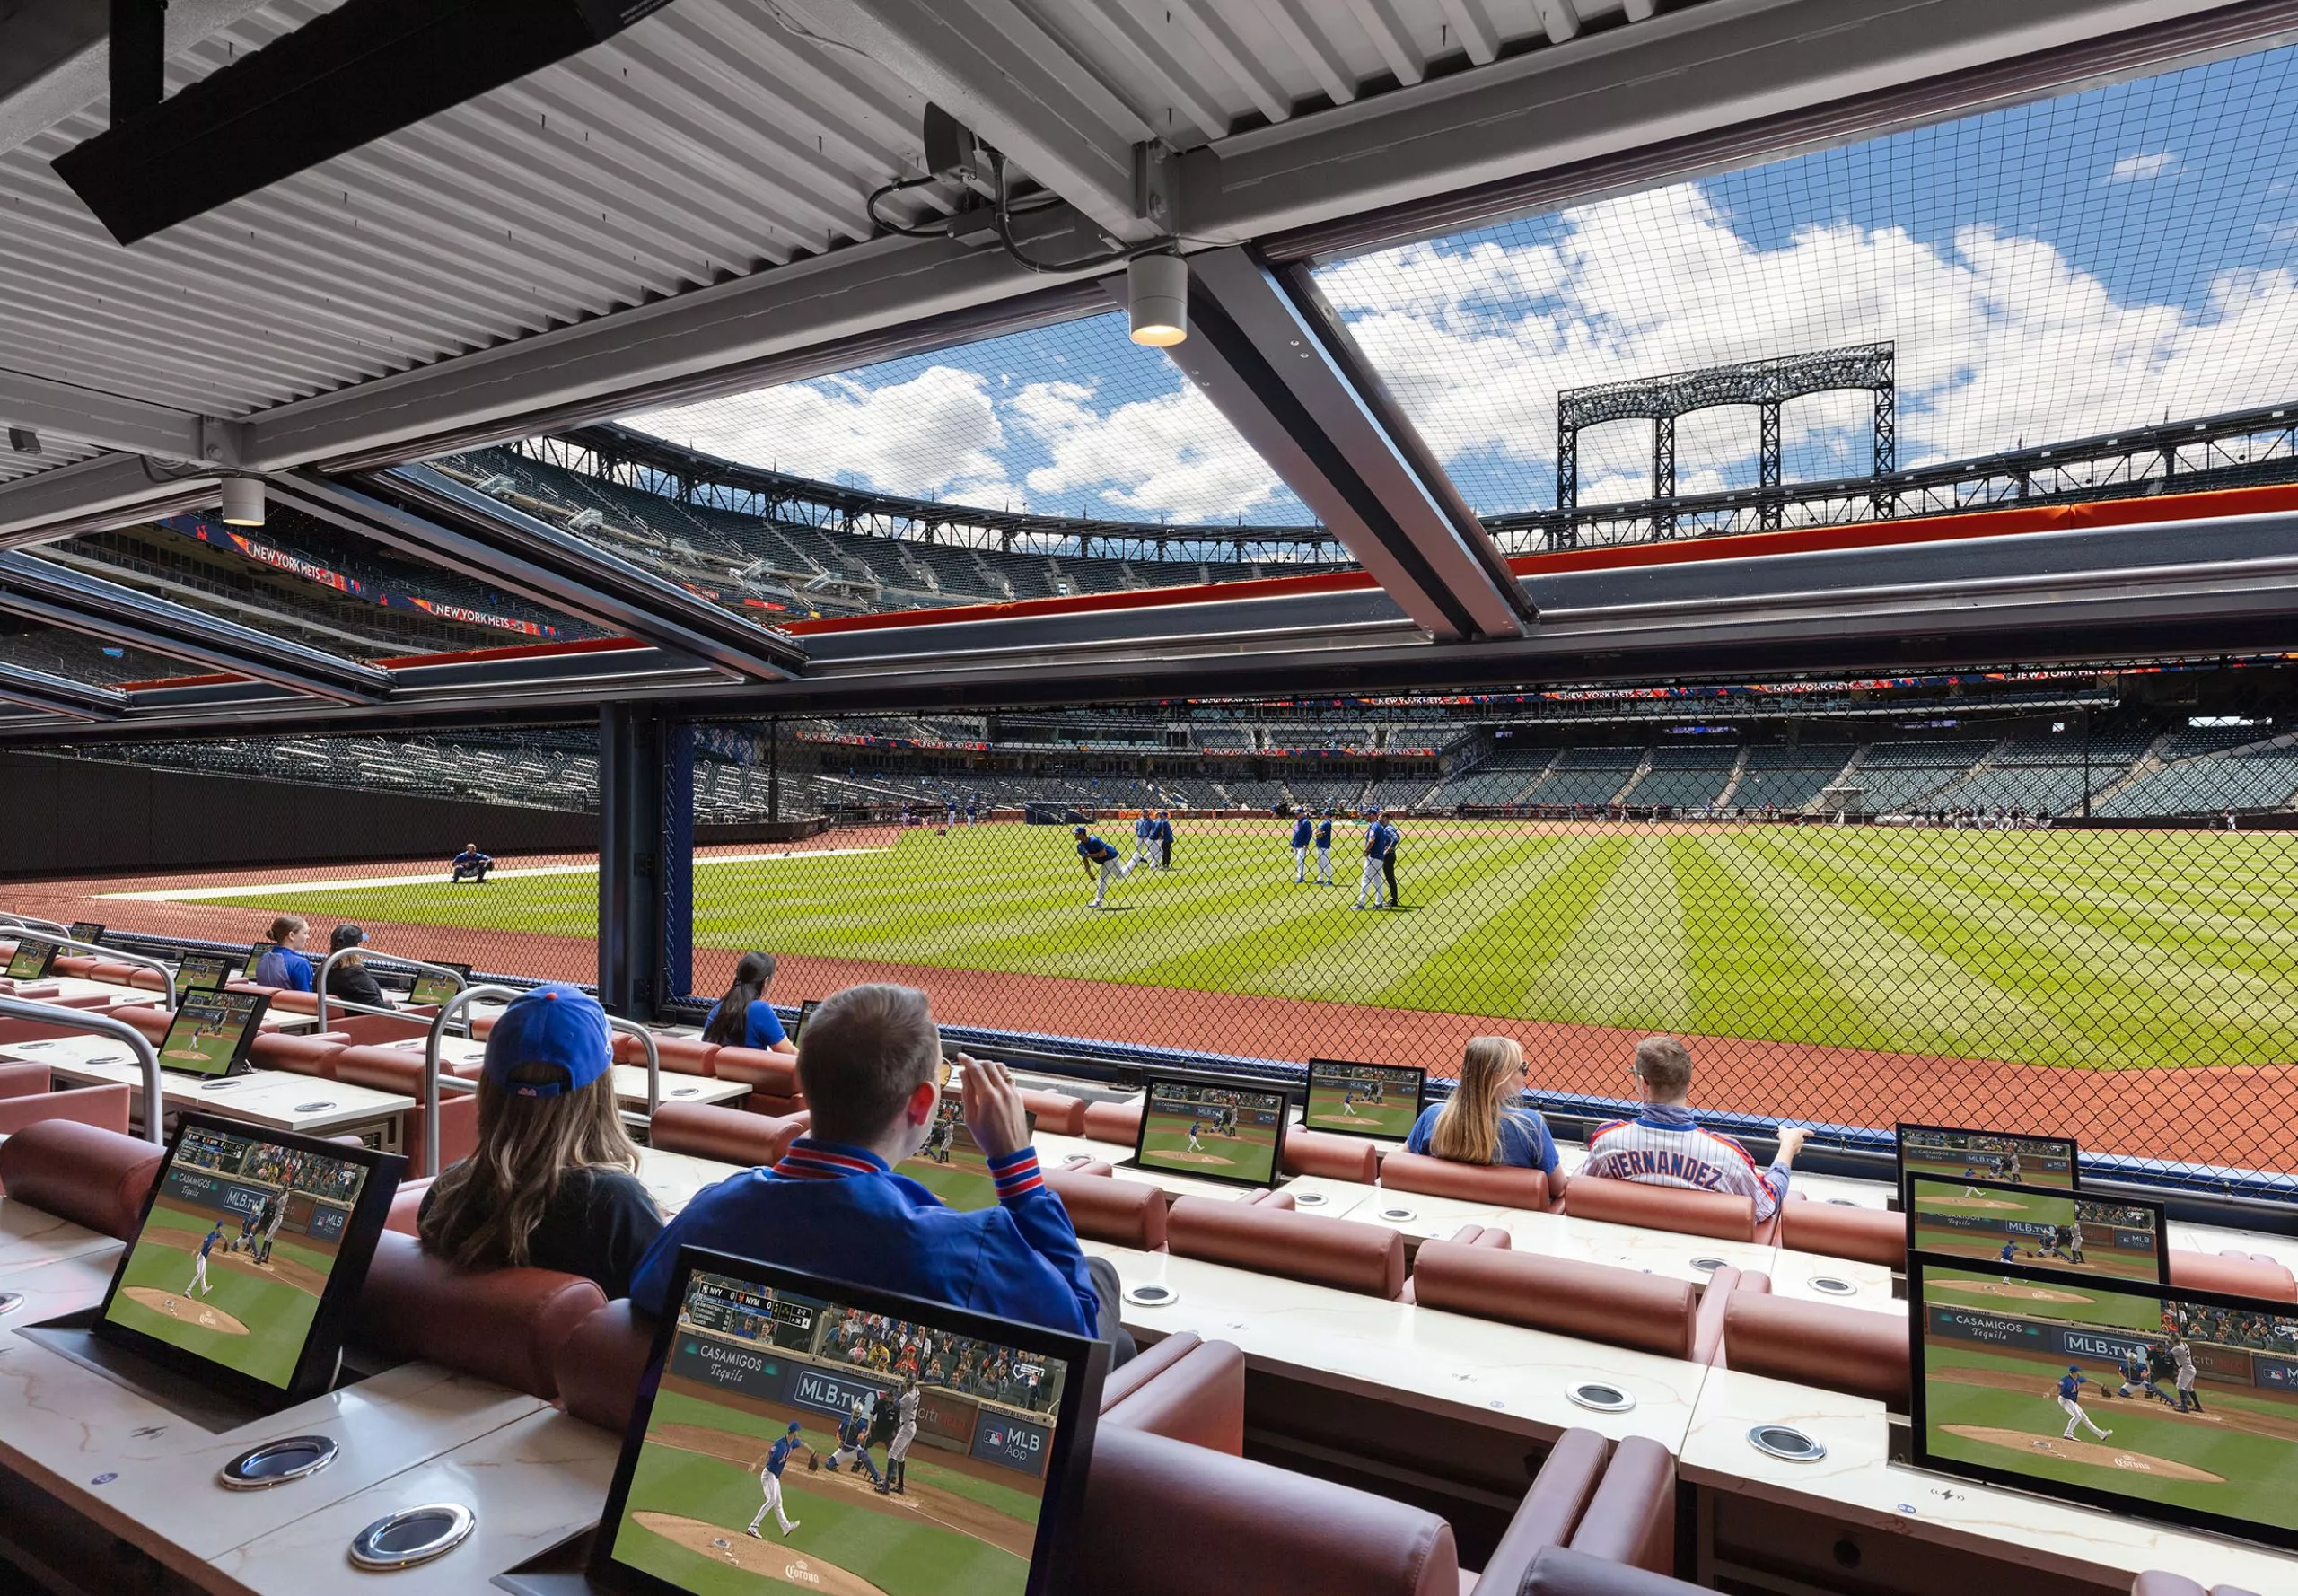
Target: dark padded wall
x=61, y=816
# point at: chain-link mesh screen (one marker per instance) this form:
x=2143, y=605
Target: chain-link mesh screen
x=1852, y=921
x=360, y=829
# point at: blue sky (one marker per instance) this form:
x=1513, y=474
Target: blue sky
x=2046, y=271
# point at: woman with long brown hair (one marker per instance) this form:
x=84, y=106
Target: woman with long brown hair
x=1484, y=1121
x=554, y=1181
x=743, y=1017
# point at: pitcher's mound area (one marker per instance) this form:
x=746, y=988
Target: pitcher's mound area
x=1196, y=1158
x=1970, y=1202
x=2018, y=1289
x=188, y=1310
x=768, y=1559
x=2100, y=1453
x=1347, y=1120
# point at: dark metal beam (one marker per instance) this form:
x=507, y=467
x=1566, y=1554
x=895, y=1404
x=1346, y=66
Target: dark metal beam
x=60, y=695
x=440, y=519
x=108, y=490
x=41, y=589
x=1293, y=387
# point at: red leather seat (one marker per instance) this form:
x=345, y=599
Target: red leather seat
x=1468, y=1235
x=1570, y=1571
x=2156, y=1583
x=106, y=1108
x=1336, y=1252
x=709, y=1130
x=1827, y=1344
x=502, y=1324
x=1122, y=1212
x=2243, y=1274
x=400, y=1071
x=1117, y=1123
x=407, y=1206
x=375, y=1029
x=1550, y=1510
x=772, y=1078
x=1160, y=1516
x=1503, y=1186
x=1831, y=1229
x=681, y=1055
x=1590, y=1302
x=1270, y=1199
x=1183, y=1388
x=303, y=1055
x=1716, y=1213
x=1059, y=1114
x=96, y=1179
x=1336, y=1158
x=1631, y=1519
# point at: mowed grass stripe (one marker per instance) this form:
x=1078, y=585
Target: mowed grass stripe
x=1480, y=964
x=1753, y=972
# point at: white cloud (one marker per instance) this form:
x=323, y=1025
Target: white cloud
x=1174, y=455
x=1998, y=338
x=2145, y=168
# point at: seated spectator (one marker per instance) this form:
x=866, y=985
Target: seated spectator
x=870, y=1064
x=282, y=965
x=1664, y=1145
x=554, y=1181
x=1482, y=1122
x=351, y=979
x=470, y=864
x=743, y=1018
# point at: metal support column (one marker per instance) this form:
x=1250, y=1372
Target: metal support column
x=1767, y=464
x=1886, y=442
x=1664, y=476
x=1568, y=485
x=645, y=859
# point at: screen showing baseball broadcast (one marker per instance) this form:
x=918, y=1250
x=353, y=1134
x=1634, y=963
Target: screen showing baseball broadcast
x=1988, y=1156
x=951, y=1165
x=2180, y=1406
x=31, y=960
x=85, y=930
x=256, y=951
x=806, y=1433
x=1380, y=1100
x=2036, y=1226
x=433, y=987
x=240, y=1244
x=1234, y=1134
x=210, y=1032
x=202, y=972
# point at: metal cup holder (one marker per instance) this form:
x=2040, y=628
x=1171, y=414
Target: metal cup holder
x=276, y=1463
x=1602, y=1398
x=1708, y=1265
x=1400, y=1215
x=1308, y=1199
x=412, y=1535
x=1785, y=1443
x=1832, y=1285
x=10, y=1301
x=1151, y=1296
x=314, y=1108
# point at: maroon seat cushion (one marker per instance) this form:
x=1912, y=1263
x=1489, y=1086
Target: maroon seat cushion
x=1335, y=1157
x=1592, y=1301
x=1336, y=1252
x=1183, y=1388
x=769, y=1075
x=1122, y=1212
x=1827, y=1344
x=678, y=1055
x=729, y=1136
x=600, y=1363
x=1503, y=1186
x=1059, y=1114
x=502, y=1324
x=1831, y=1229
x=93, y=1177
x=1117, y=1123
x=1661, y=1208
x=104, y=1107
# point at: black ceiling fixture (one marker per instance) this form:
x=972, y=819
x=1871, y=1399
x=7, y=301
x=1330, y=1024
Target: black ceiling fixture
x=345, y=79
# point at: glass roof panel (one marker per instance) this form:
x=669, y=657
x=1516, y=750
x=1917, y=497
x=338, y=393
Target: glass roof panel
x=1072, y=420
x=77, y=657
x=2047, y=272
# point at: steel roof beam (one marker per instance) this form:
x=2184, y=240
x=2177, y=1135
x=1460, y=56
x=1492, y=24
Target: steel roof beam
x=41, y=589
x=107, y=421
x=60, y=695
x=464, y=529
x=1272, y=367
x=106, y=491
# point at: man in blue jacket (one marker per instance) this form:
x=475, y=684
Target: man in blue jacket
x=870, y=1062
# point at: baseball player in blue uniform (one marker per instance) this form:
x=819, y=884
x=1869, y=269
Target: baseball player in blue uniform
x=1099, y=856
x=199, y=1265
x=1302, y=832
x=853, y=1440
x=769, y=1479
x=1324, y=850
x=1163, y=836
x=1194, y=1126
x=1376, y=854
x=2010, y=1253
x=1144, y=837
x=2136, y=1372
x=2070, y=1387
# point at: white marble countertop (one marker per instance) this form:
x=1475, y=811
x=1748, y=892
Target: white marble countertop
x=1626, y=1247
x=30, y=1238
x=1856, y=1482
x=1419, y=1215
x=278, y=1100
x=671, y=1178
x=531, y=1483
x=1499, y=1374
x=1797, y=1274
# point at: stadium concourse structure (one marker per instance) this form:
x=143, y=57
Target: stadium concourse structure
x=1789, y=506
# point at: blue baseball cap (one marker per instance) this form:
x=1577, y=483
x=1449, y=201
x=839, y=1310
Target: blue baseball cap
x=793, y=1427
x=556, y=1024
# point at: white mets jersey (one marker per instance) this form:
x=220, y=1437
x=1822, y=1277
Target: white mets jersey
x=1665, y=1146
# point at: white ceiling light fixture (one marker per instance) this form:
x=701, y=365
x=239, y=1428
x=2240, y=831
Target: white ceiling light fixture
x=243, y=500
x=1157, y=299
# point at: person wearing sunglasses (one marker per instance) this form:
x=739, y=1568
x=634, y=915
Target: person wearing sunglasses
x=870, y=1062
x=1484, y=1121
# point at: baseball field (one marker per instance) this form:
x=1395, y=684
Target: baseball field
x=254, y=1319
x=696, y=1489
x=1352, y=1107
x=1974, y=1222
x=1249, y=1153
x=951, y=1167
x=2097, y=950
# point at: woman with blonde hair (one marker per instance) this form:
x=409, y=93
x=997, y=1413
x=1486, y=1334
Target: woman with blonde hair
x=1482, y=1122
x=554, y=1181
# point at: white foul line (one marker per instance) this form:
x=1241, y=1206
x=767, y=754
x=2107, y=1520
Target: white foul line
x=357, y=884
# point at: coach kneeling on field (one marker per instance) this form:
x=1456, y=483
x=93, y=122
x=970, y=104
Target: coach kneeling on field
x=870, y=1062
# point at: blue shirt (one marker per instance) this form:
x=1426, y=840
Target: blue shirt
x=471, y=857
x=1524, y=1141
x=1095, y=849
x=1324, y=835
x=2010, y=1251
x=284, y=968
x=1300, y=832
x=209, y=1242
x=1165, y=831
x=1144, y=827
x=779, y=1455
x=840, y=1212
x=761, y=1027
x=1380, y=840
x=2067, y=1383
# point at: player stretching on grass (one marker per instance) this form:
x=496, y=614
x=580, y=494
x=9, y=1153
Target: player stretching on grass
x=199, y=1264
x=1099, y=856
x=2070, y=1386
x=770, y=1480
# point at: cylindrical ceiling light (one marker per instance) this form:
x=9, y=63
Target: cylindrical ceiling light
x=243, y=500
x=1157, y=299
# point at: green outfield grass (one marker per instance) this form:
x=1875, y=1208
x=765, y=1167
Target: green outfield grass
x=2097, y=948
x=963, y=1182
x=2257, y=1474
x=279, y=1316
